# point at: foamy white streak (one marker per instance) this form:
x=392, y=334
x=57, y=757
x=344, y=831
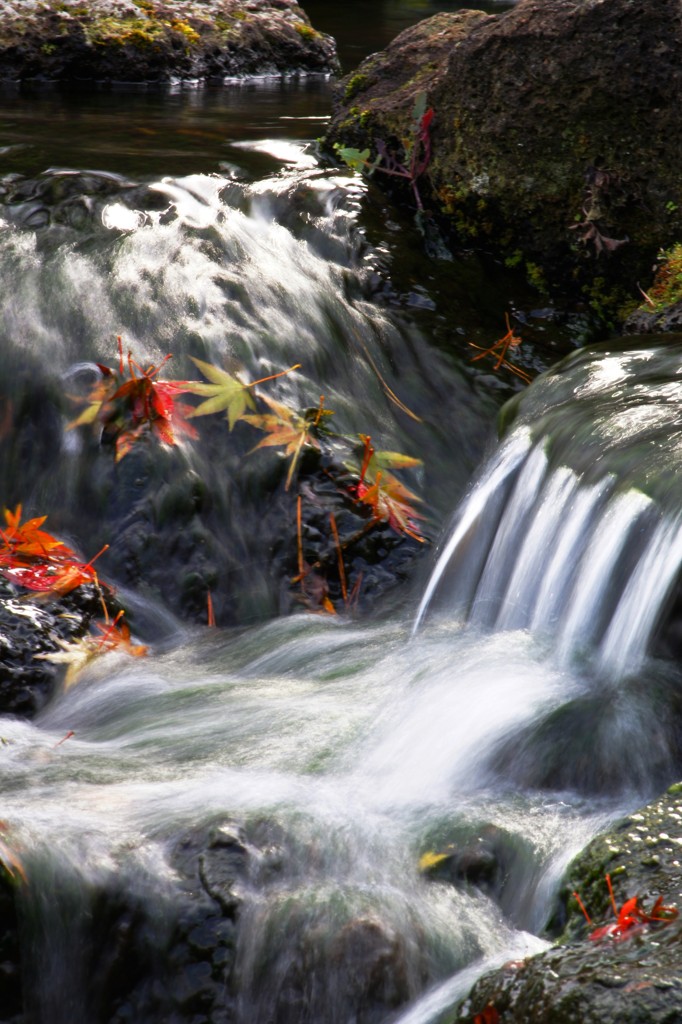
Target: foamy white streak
x=624, y=645
x=506, y=547
x=500, y=467
x=554, y=584
x=539, y=541
x=597, y=568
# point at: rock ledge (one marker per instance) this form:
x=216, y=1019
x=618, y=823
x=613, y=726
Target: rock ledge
x=150, y=41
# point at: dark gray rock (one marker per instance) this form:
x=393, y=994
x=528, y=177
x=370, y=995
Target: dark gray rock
x=10, y=966
x=31, y=628
x=634, y=977
x=151, y=41
x=648, y=321
x=555, y=137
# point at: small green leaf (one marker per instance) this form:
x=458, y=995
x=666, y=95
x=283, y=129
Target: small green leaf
x=419, y=108
x=225, y=393
x=355, y=158
x=393, y=460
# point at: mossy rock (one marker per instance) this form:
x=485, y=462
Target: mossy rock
x=661, y=310
x=149, y=41
x=633, y=978
x=555, y=139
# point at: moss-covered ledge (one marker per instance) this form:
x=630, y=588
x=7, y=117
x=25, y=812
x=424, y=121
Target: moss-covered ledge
x=556, y=135
x=661, y=311
x=150, y=41
x=634, y=979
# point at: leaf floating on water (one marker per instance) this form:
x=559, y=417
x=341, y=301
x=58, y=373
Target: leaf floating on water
x=431, y=859
x=291, y=430
x=128, y=403
x=38, y=561
x=388, y=497
x=225, y=393
x=75, y=654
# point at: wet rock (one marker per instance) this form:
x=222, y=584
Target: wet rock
x=555, y=137
x=375, y=965
x=493, y=861
x=635, y=978
x=580, y=745
x=152, y=41
x=648, y=321
x=223, y=866
x=10, y=966
x=152, y=948
x=307, y=950
x=30, y=629
x=224, y=921
x=488, y=859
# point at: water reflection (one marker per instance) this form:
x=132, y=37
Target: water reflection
x=144, y=133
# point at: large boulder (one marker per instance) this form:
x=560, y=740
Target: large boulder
x=633, y=976
x=555, y=139
x=154, y=41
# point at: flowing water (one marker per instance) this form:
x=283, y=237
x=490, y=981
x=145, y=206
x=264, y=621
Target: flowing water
x=501, y=720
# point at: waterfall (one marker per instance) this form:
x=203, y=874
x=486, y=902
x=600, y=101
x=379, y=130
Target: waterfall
x=242, y=825
x=561, y=541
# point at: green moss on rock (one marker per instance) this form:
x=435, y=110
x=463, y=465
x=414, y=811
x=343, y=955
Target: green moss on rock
x=553, y=134
x=156, y=41
x=354, y=85
x=637, y=980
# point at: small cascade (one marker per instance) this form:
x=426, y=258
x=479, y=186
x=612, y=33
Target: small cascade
x=578, y=545
x=254, y=277
x=316, y=819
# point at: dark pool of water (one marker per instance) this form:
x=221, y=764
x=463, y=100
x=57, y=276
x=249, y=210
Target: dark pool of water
x=146, y=132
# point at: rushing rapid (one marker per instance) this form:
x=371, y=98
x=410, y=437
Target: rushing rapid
x=306, y=819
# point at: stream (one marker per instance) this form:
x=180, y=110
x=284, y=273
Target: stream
x=505, y=705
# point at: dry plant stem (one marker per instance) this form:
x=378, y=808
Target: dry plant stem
x=339, y=555
x=273, y=376
x=301, y=564
x=500, y=349
x=68, y=736
x=583, y=908
x=391, y=394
